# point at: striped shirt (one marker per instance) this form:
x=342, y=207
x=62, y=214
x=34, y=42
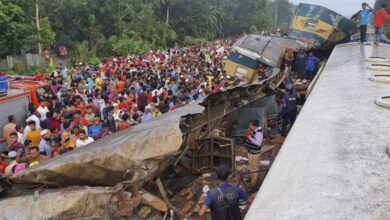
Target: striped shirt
x=253, y=143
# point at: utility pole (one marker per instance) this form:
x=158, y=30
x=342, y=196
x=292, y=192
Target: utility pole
x=38, y=23
x=167, y=19
x=276, y=12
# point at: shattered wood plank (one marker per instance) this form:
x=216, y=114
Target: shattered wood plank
x=152, y=200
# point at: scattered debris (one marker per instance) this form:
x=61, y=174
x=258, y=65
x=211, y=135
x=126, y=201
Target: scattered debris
x=71, y=203
x=154, y=201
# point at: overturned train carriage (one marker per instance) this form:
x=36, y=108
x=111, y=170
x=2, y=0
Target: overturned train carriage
x=251, y=51
x=320, y=27
x=132, y=157
x=126, y=160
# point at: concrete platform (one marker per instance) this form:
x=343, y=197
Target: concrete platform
x=334, y=165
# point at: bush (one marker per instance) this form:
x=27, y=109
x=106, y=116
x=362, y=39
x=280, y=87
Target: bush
x=253, y=30
x=188, y=40
x=94, y=61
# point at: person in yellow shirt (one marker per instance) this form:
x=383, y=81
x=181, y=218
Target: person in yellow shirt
x=156, y=112
x=65, y=143
x=34, y=135
x=98, y=82
x=74, y=135
x=210, y=78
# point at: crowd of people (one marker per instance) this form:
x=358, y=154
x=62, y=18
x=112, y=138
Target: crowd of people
x=92, y=102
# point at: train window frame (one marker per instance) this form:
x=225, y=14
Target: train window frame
x=241, y=72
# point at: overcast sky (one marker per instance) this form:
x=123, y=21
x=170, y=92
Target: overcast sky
x=344, y=7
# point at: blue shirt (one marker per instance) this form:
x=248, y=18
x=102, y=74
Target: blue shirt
x=91, y=84
x=79, y=75
x=95, y=131
x=311, y=63
x=146, y=117
x=364, y=16
x=224, y=201
x=174, y=90
x=200, y=98
x=44, y=147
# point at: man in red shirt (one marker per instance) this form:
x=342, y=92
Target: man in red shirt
x=381, y=17
x=124, y=123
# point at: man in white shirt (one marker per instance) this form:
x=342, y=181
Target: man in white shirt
x=19, y=130
x=147, y=115
x=83, y=139
x=42, y=110
x=253, y=145
x=34, y=118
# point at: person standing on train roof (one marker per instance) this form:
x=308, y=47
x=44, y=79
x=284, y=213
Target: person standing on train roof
x=381, y=16
x=364, y=18
x=311, y=64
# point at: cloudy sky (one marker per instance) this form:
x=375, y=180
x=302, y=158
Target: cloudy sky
x=344, y=7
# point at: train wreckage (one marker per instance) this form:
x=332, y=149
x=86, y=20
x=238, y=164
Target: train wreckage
x=105, y=179
x=119, y=165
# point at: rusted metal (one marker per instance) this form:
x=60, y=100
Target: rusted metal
x=212, y=153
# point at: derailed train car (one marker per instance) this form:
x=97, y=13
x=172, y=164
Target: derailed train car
x=251, y=51
x=125, y=161
x=320, y=27
x=116, y=167
x=313, y=27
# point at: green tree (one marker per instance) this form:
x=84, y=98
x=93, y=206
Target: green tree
x=13, y=27
x=103, y=27
x=47, y=35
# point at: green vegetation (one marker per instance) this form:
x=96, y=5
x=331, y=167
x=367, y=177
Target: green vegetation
x=98, y=28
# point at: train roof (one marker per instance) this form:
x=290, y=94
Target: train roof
x=335, y=162
x=266, y=49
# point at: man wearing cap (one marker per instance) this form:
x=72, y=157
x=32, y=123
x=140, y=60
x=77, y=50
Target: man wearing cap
x=44, y=144
x=364, y=18
x=147, y=114
x=223, y=200
x=288, y=109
